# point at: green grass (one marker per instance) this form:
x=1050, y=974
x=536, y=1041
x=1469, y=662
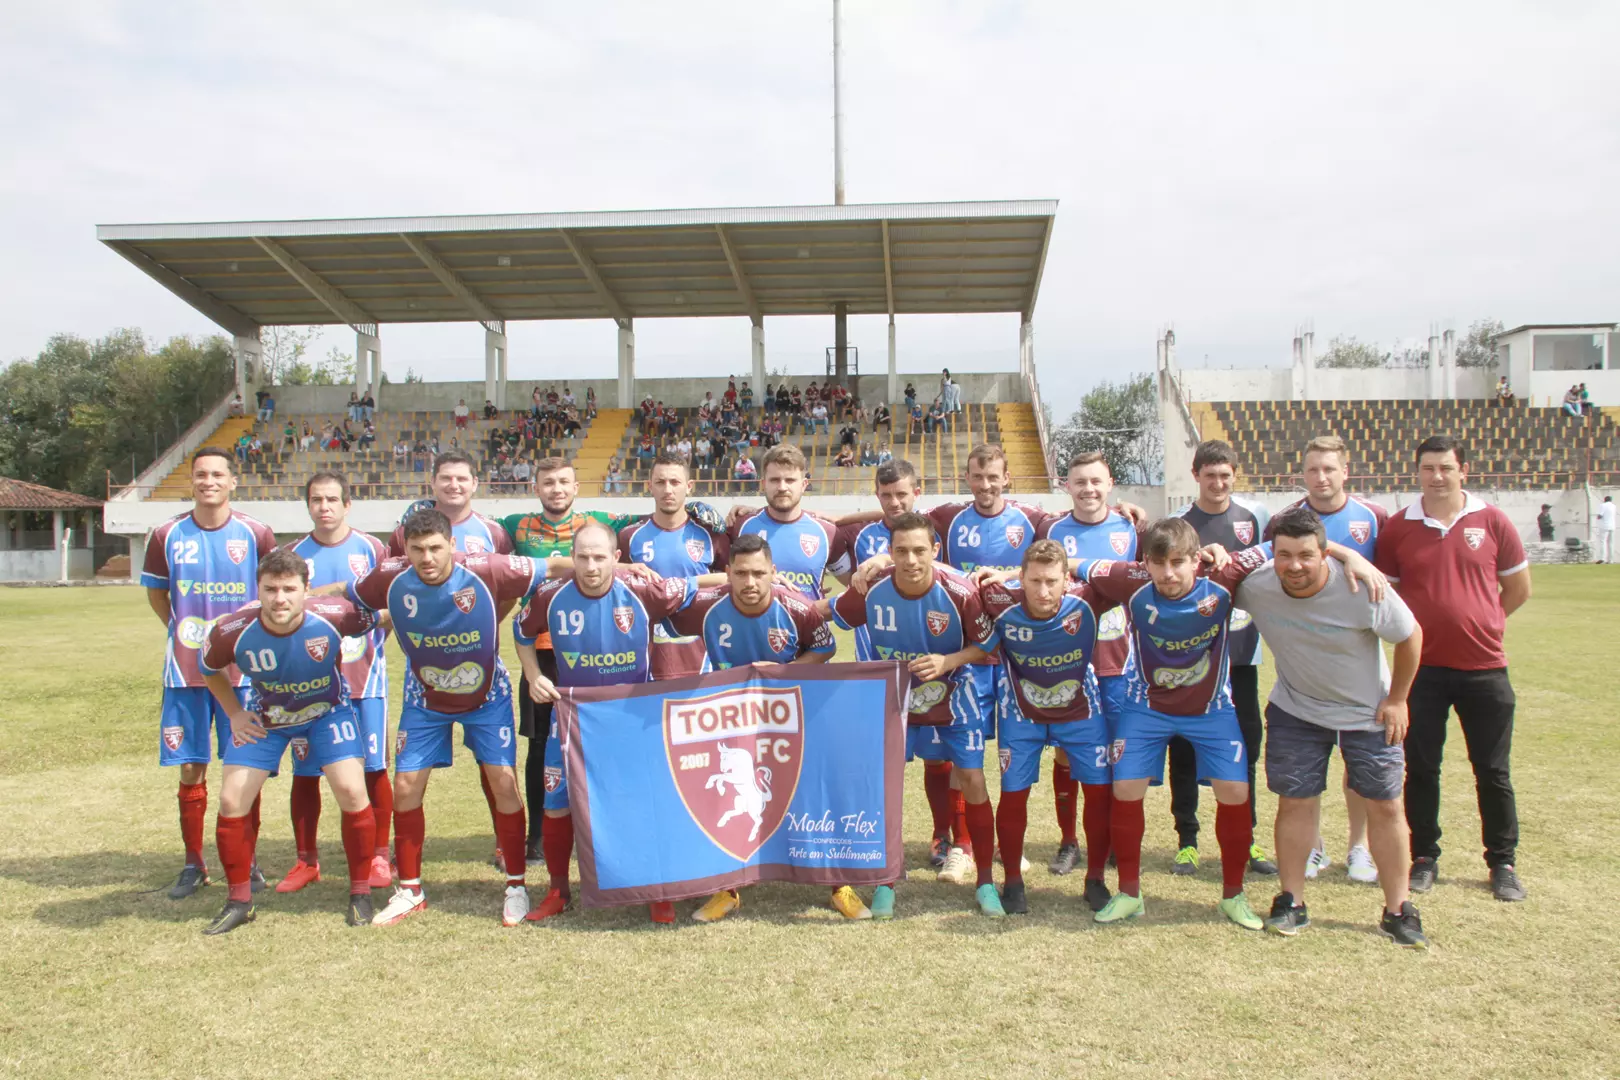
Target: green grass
x=102, y=974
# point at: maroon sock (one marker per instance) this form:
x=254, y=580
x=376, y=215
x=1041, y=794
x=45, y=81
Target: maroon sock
x=511, y=832
x=381, y=793
x=410, y=830
x=937, y=786
x=359, y=843
x=489, y=797
x=1065, y=791
x=235, y=854
x=1012, y=819
x=253, y=823
x=1098, y=803
x=1235, y=834
x=1126, y=826
x=306, y=817
x=193, y=809
x=981, y=826
x=557, y=842
x=961, y=833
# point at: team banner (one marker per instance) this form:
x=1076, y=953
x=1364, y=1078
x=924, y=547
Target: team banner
x=683, y=787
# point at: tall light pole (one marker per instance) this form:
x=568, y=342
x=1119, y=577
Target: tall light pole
x=840, y=309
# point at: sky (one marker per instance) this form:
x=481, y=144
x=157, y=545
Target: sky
x=1234, y=170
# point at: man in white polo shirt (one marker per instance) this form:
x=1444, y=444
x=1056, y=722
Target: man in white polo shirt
x=1333, y=689
x=1605, y=530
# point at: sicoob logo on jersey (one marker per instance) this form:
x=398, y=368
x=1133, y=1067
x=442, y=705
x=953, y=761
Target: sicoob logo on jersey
x=624, y=618
x=735, y=757
x=465, y=600
x=1244, y=531
x=778, y=639
x=1208, y=604
x=1360, y=531
x=938, y=622
x=237, y=550
x=809, y=544
x=317, y=647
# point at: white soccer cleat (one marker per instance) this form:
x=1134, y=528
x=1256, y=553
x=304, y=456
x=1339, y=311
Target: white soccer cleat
x=1316, y=862
x=1361, y=866
x=516, y=905
x=959, y=868
x=402, y=905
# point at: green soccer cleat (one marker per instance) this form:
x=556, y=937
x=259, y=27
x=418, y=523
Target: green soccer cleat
x=989, y=901
x=1121, y=906
x=1237, y=909
x=1186, y=862
x=883, y=903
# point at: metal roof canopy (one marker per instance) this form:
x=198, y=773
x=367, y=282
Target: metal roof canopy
x=894, y=258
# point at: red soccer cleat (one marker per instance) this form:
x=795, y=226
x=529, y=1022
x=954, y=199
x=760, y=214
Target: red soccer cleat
x=301, y=874
x=662, y=912
x=382, y=874
x=555, y=903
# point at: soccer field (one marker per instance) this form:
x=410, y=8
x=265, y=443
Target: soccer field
x=103, y=974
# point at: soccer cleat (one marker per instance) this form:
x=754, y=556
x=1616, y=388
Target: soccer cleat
x=301, y=874
x=1405, y=929
x=959, y=868
x=1121, y=906
x=532, y=853
x=256, y=878
x=1505, y=884
x=190, y=880
x=498, y=861
x=847, y=902
x=515, y=908
x=989, y=901
x=1287, y=918
x=1316, y=862
x=1013, y=900
x=662, y=913
x=555, y=903
x=718, y=906
x=1238, y=910
x=938, y=850
x=234, y=914
x=382, y=874
x=360, y=911
x=883, y=903
x=1359, y=865
x=1097, y=894
x=1259, y=864
x=1425, y=872
x=1066, y=859
x=1186, y=863
x=402, y=905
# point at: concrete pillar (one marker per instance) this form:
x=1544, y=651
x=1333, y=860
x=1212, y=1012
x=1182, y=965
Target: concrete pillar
x=368, y=365
x=894, y=370
x=500, y=377
x=137, y=555
x=841, y=342
x=756, y=337
x=627, y=365
x=249, y=363
x=1296, y=370
x=1436, y=378
x=1308, y=363
x=64, y=550
x=494, y=367
x=1448, y=360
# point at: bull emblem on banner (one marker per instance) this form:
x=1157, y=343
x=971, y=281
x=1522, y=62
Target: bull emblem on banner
x=735, y=756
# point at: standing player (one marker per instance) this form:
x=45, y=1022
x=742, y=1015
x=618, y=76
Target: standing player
x=290, y=643
x=339, y=555
x=1219, y=517
x=601, y=624
x=751, y=620
x=801, y=541
x=199, y=566
x=930, y=617
x=1353, y=523
x=448, y=610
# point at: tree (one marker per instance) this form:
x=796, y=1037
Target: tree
x=336, y=370
x=284, y=348
x=1122, y=421
x=1478, y=346
x=1347, y=352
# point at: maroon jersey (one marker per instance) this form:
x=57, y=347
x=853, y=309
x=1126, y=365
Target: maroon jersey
x=296, y=676
x=1047, y=662
x=474, y=534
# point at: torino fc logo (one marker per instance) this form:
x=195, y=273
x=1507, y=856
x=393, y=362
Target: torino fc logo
x=938, y=622
x=1015, y=535
x=359, y=565
x=1244, y=531
x=779, y=638
x=465, y=600
x=1208, y=604
x=474, y=545
x=694, y=550
x=809, y=543
x=624, y=618
x=237, y=550
x=1361, y=531
x=317, y=647
x=1474, y=537
x=735, y=756
x=1120, y=542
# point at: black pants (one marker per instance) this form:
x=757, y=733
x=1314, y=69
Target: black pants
x=1184, y=763
x=1484, y=702
x=534, y=724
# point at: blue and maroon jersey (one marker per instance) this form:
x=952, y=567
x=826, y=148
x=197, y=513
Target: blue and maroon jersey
x=365, y=662
x=296, y=677
x=1356, y=524
x=474, y=534
x=451, y=632
x=947, y=618
x=602, y=640
x=1182, y=646
x=786, y=630
x=1114, y=537
x=688, y=551
x=972, y=541
x=208, y=573
x=853, y=545
x=801, y=548
x=1048, y=662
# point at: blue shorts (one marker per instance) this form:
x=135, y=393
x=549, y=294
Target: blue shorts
x=188, y=713
x=960, y=742
x=318, y=743
x=1085, y=741
x=1111, y=688
x=423, y=740
x=556, y=777
x=373, y=712
x=986, y=680
x=1140, y=740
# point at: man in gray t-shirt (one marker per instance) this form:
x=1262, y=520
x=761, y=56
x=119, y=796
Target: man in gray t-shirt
x=1333, y=688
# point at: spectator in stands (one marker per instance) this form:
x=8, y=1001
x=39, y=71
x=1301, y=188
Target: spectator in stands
x=570, y=421
x=503, y=474
x=613, y=481
x=649, y=414
x=461, y=413
x=950, y=394
x=419, y=453
x=882, y=418
x=1504, y=394
x=705, y=415
x=745, y=398
x=1544, y=523
x=729, y=414
x=936, y=414
x=551, y=421
x=812, y=394
x=401, y=450
x=818, y=417
x=868, y=455
x=306, y=439
x=256, y=449
x=744, y=469
x=671, y=422
x=368, y=406
x=840, y=400
x=590, y=403
x=536, y=400
x=884, y=455
x=289, y=437
x=568, y=397
x=918, y=421
x=368, y=436
x=267, y=406
x=767, y=401
x=849, y=435
x=857, y=410
x=1586, y=399
x=490, y=411
x=345, y=436
x=455, y=444
x=235, y=407
x=911, y=396
x=521, y=473
x=703, y=451
x=353, y=407
x=433, y=446
x=683, y=448
x=553, y=398
x=647, y=449
x=1572, y=401
x=845, y=458
x=784, y=400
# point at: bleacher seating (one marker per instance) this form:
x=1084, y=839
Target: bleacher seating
x=1515, y=447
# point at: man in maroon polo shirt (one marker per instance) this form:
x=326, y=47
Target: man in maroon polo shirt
x=1460, y=566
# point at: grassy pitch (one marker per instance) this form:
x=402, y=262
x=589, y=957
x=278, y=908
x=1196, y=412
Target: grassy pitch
x=104, y=975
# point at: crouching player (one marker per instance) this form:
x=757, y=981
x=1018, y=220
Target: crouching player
x=1049, y=697
x=289, y=645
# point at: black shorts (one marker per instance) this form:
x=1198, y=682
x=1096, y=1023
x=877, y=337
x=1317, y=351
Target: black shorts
x=534, y=721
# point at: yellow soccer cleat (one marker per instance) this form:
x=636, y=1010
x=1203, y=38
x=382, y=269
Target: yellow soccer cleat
x=847, y=902
x=718, y=906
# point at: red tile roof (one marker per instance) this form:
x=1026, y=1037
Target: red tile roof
x=21, y=495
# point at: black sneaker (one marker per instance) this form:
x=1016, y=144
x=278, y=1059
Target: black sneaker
x=1287, y=918
x=1505, y=884
x=360, y=910
x=1065, y=860
x=190, y=880
x=1425, y=872
x=531, y=853
x=1405, y=929
x=938, y=850
x=234, y=914
x=1097, y=894
x=1013, y=901
x=1259, y=864
x=256, y=878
